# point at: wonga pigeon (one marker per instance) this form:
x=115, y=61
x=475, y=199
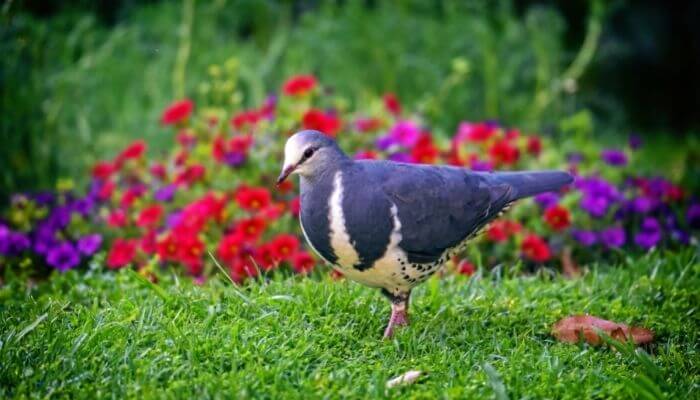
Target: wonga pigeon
x=391, y=225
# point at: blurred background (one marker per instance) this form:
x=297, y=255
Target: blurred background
x=82, y=78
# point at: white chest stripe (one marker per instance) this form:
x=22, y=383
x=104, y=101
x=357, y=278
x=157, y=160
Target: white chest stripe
x=340, y=239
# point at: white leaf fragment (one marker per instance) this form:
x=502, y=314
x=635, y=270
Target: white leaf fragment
x=404, y=379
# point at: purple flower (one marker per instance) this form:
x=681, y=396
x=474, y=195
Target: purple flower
x=89, y=244
x=478, y=165
x=586, y=238
x=406, y=133
x=63, y=257
x=384, y=143
x=44, y=238
x=83, y=206
x=234, y=158
x=658, y=187
x=635, y=142
x=400, y=157
x=574, y=158
x=546, y=200
x=165, y=194
x=18, y=242
x=173, y=219
x=613, y=237
x=596, y=206
x=4, y=239
x=643, y=204
x=693, y=215
x=613, y=157
x=649, y=234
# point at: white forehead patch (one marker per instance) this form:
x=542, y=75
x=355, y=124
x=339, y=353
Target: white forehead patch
x=293, y=150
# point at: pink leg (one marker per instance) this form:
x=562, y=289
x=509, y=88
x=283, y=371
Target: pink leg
x=399, y=314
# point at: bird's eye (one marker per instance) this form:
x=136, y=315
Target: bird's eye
x=308, y=152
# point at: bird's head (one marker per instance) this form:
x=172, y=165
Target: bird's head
x=309, y=153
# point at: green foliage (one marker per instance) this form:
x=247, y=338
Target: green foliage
x=118, y=335
x=71, y=80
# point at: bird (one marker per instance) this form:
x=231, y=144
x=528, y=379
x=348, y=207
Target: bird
x=391, y=225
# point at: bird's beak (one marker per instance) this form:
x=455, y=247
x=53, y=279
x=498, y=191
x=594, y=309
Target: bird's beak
x=285, y=173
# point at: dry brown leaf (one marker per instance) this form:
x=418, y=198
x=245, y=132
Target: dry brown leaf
x=571, y=329
x=405, y=378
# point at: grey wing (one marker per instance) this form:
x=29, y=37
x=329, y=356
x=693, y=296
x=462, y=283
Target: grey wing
x=439, y=207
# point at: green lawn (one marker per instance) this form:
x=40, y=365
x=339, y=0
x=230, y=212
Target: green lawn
x=114, y=335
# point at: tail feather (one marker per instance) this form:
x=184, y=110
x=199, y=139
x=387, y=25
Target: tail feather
x=531, y=183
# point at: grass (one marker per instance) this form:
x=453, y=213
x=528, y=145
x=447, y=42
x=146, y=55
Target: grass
x=98, y=334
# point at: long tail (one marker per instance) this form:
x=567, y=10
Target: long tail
x=530, y=183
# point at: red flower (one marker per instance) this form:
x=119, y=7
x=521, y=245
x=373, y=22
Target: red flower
x=133, y=151
x=243, y=268
x=466, y=268
x=253, y=198
x=368, y=124
x=497, y=231
x=286, y=186
x=158, y=171
x=148, y=242
x=167, y=248
x=103, y=170
x=231, y=247
x=534, y=145
x=512, y=134
x=265, y=257
x=177, y=112
x=272, y=212
x=480, y=132
x=504, y=152
x=295, y=206
x=117, y=219
x=251, y=228
x=186, y=138
x=557, y=217
x=106, y=190
x=392, y=103
x=190, y=251
x=424, y=151
x=321, y=121
x=284, y=246
x=121, y=253
x=302, y=262
x=149, y=216
x=299, y=85
x=536, y=249
x=130, y=196
x=366, y=155
x=191, y=174
x=246, y=119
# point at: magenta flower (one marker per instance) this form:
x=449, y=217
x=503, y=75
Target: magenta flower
x=165, y=194
x=406, y=133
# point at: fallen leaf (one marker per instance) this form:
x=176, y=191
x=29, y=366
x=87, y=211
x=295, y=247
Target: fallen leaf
x=571, y=329
x=403, y=379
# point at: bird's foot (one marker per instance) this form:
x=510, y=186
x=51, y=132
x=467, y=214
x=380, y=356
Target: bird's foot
x=399, y=317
